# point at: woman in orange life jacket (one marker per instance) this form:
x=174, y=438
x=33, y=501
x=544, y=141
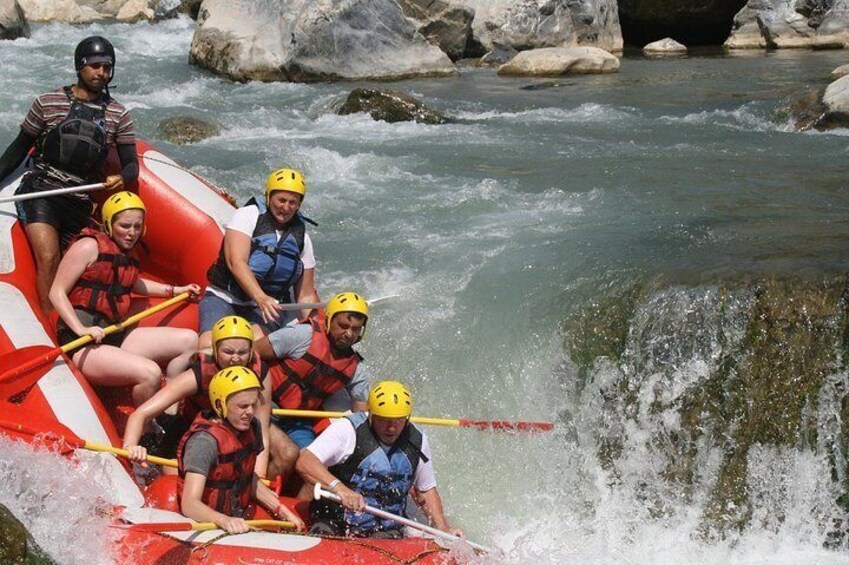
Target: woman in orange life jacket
x=316, y=360
x=232, y=346
x=216, y=457
x=91, y=291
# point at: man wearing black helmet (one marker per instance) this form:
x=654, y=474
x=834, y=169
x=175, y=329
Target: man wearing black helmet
x=72, y=129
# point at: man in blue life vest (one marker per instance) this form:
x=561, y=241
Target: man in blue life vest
x=372, y=458
x=71, y=129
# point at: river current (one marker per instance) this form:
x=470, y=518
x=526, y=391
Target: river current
x=536, y=199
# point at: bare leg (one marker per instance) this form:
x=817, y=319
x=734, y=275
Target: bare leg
x=106, y=365
x=284, y=453
x=172, y=347
x=44, y=240
x=205, y=341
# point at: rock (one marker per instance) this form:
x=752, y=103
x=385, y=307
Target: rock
x=181, y=130
x=66, y=11
x=839, y=72
x=745, y=31
x=497, y=57
x=555, y=61
x=807, y=111
x=822, y=109
x=443, y=24
x=534, y=24
x=784, y=27
x=836, y=100
x=667, y=46
x=135, y=11
x=691, y=22
x=833, y=29
x=390, y=106
x=16, y=545
x=313, y=40
x=13, y=23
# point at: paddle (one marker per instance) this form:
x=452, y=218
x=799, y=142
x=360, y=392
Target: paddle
x=312, y=305
x=319, y=493
x=494, y=425
x=204, y=526
x=55, y=192
x=22, y=368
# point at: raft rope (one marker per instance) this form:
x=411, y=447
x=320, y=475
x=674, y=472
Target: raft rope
x=199, y=551
x=215, y=187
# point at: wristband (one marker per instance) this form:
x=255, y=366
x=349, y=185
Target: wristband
x=333, y=484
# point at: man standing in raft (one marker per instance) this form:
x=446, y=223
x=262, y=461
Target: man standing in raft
x=216, y=457
x=265, y=255
x=72, y=129
x=92, y=291
x=372, y=458
x=232, y=346
x=316, y=359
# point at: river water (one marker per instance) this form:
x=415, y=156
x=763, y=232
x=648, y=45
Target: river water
x=537, y=199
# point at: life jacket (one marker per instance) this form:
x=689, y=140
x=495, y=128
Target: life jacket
x=306, y=382
x=204, y=368
x=382, y=475
x=105, y=285
x=276, y=263
x=78, y=144
x=228, y=485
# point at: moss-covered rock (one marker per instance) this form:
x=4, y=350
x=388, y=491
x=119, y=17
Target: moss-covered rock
x=389, y=106
x=181, y=130
x=16, y=545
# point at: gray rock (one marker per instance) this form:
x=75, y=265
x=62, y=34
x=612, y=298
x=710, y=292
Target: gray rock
x=13, y=23
x=784, y=27
x=390, y=106
x=66, y=11
x=836, y=98
x=745, y=31
x=839, y=72
x=446, y=25
x=497, y=57
x=313, y=40
x=807, y=111
x=16, y=545
x=666, y=46
x=534, y=24
x=833, y=28
x=555, y=61
x=181, y=130
x=822, y=24
x=823, y=109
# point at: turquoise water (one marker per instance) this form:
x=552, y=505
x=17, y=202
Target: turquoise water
x=537, y=199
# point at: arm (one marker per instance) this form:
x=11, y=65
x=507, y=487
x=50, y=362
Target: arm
x=237, y=250
x=358, y=388
x=305, y=290
x=81, y=254
x=147, y=287
x=15, y=153
x=263, y=414
x=313, y=471
x=263, y=348
x=192, y=506
x=178, y=388
x=266, y=497
x=129, y=168
x=431, y=504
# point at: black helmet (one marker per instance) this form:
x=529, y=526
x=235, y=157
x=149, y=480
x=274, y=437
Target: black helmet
x=94, y=49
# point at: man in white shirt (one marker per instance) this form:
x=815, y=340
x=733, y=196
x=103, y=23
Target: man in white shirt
x=373, y=459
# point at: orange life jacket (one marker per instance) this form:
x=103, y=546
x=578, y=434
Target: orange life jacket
x=105, y=285
x=228, y=485
x=204, y=368
x=305, y=383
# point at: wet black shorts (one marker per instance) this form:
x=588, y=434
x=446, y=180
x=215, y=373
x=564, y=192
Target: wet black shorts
x=65, y=335
x=68, y=214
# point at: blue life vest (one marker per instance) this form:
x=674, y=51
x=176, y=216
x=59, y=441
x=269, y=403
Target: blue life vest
x=383, y=475
x=276, y=263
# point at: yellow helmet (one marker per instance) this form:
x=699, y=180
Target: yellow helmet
x=289, y=180
x=228, y=327
x=390, y=399
x=228, y=382
x=347, y=302
x=118, y=202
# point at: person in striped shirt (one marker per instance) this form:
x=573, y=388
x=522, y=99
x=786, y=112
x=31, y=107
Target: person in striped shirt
x=71, y=130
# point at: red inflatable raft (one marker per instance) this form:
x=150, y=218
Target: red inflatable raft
x=184, y=233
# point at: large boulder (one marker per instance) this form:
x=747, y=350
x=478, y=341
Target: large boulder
x=822, y=24
x=665, y=46
x=445, y=25
x=534, y=24
x=823, y=109
x=839, y=72
x=13, y=23
x=836, y=100
x=692, y=21
x=16, y=545
x=558, y=61
x=313, y=40
x=66, y=11
x=390, y=106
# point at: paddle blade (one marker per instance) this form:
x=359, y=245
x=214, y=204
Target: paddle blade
x=57, y=436
x=503, y=425
x=21, y=369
